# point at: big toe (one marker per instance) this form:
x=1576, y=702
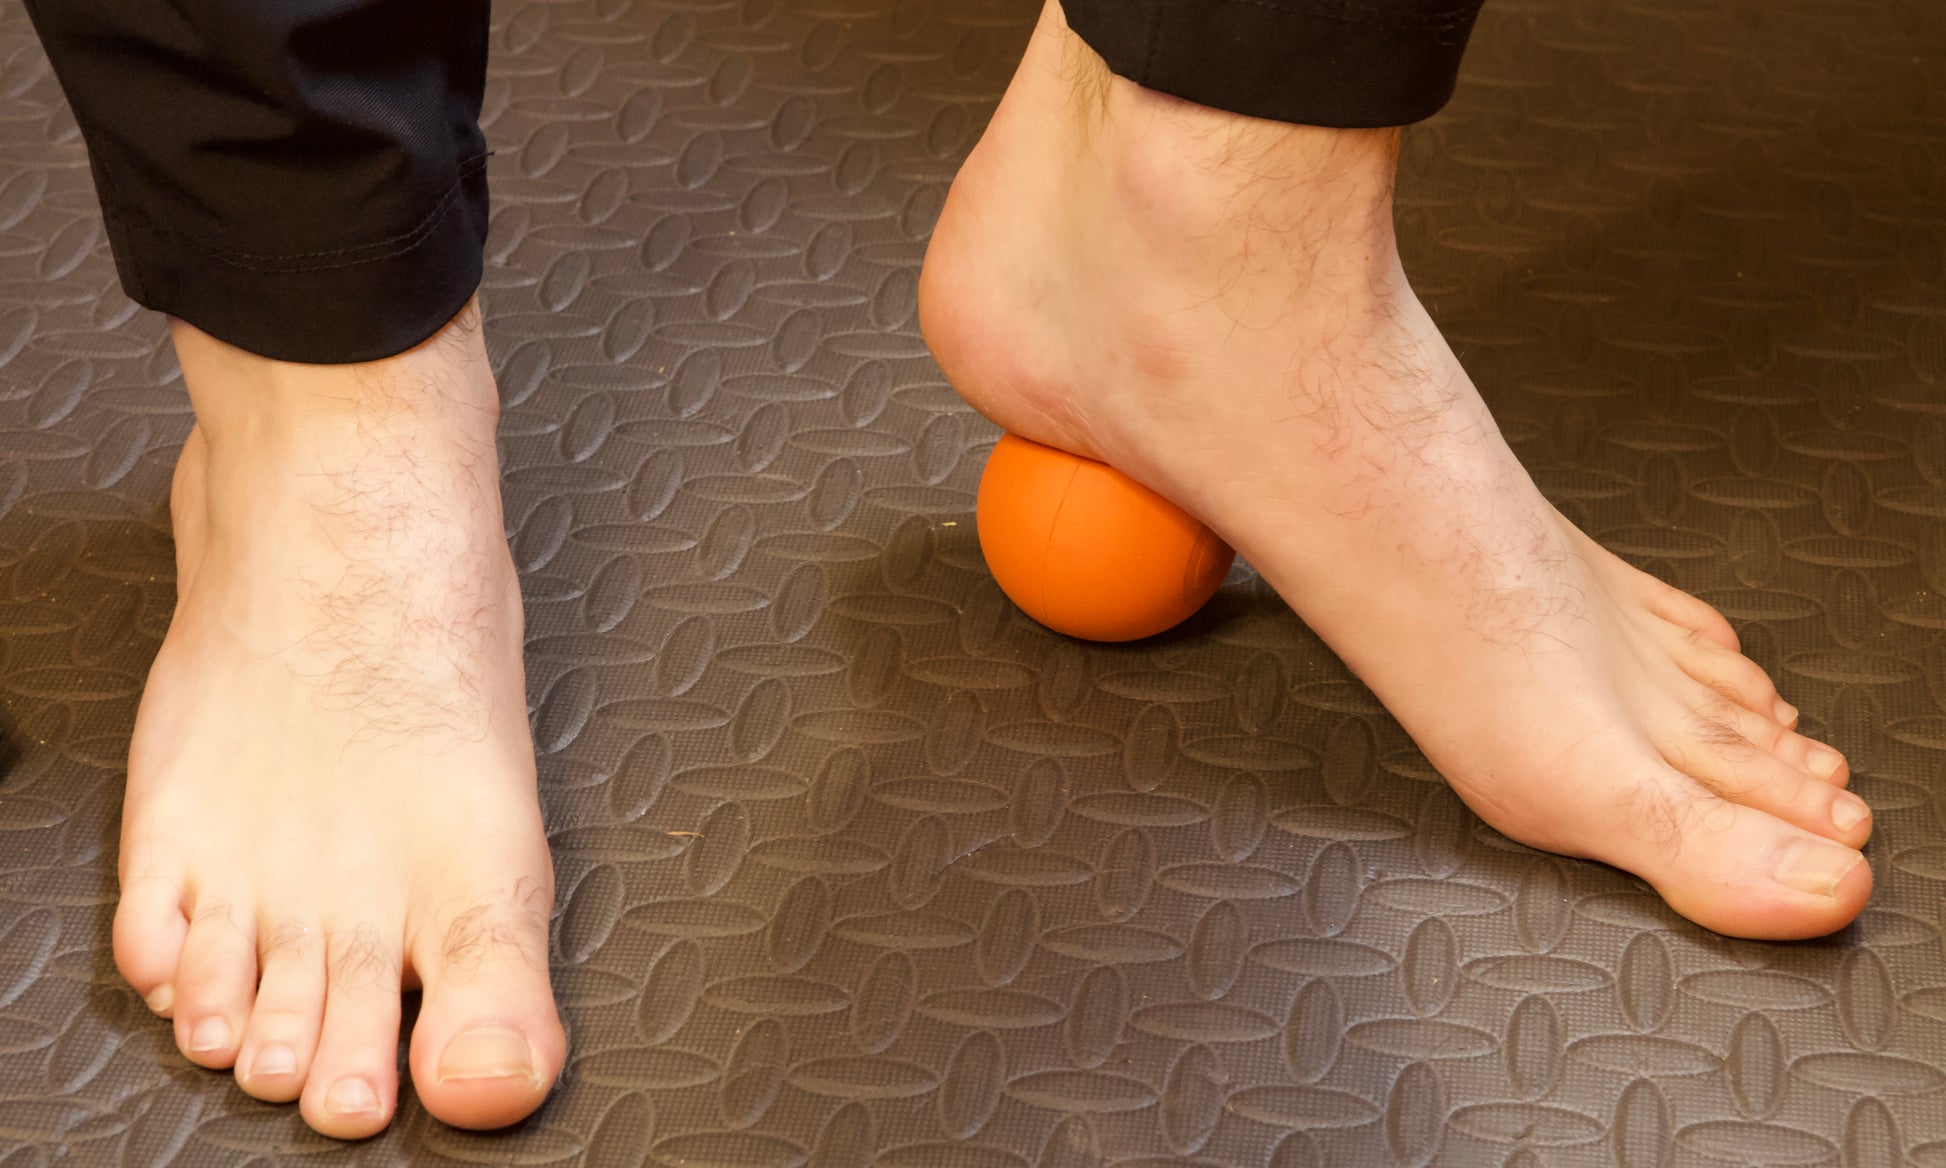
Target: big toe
x=488, y=1044
x=1740, y=870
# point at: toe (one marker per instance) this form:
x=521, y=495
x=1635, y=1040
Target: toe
x=1737, y=869
x=1732, y=752
x=1734, y=676
x=1813, y=757
x=354, y=1080
x=282, y=1036
x=1681, y=609
x=488, y=1044
x=149, y=932
x=215, y=983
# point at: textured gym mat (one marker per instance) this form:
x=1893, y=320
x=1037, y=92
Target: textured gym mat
x=857, y=865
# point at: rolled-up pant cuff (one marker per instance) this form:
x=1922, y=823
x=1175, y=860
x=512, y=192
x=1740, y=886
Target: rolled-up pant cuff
x=333, y=307
x=1338, y=63
x=303, y=179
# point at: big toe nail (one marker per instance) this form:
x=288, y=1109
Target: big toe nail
x=1817, y=866
x=488, y=1052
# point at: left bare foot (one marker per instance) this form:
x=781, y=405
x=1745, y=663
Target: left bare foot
x=1215, y=305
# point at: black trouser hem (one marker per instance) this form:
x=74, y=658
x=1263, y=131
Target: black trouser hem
x=322, y=308
x=1339, y=63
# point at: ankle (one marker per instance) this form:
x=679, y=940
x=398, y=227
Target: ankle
x=442, y=385
x=1182, y=178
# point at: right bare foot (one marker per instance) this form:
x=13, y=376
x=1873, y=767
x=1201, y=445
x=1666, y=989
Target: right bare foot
x=1214, y=305
x=331, y=784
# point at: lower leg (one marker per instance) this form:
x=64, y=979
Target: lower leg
x=331, y=787
x=1215, y=305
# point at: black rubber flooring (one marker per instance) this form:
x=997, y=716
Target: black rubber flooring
x=857, y=864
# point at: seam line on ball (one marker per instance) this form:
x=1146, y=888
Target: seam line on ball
x=1047, y=549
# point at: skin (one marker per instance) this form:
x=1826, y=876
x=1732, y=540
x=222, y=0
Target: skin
x=331, y=785
x=1263, y=362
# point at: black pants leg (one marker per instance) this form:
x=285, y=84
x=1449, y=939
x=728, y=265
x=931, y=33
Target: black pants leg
x=1342, y=63
x=305, y=179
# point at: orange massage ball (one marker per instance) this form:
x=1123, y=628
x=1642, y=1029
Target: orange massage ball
x=1088, y=551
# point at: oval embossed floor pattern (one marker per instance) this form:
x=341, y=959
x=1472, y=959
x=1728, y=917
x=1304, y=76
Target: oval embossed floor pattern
x=859, y=866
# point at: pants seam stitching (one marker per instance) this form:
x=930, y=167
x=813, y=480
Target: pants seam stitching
x=253, y=262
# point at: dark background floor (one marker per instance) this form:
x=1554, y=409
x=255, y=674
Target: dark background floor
x=960, y=893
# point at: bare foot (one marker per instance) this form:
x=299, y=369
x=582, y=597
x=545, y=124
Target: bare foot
x=1215, y=305
x=331, y=785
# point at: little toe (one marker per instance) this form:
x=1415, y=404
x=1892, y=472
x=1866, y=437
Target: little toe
x=488, y=1043
x=148, y=933
x=215, y=984
x=1681, y=609
x=1741, y=871
x=282, y=1036
x=1730, y=751
x=353, y=1083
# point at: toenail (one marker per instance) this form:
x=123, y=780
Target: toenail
x=1824, y=761
x=1848, y=811
x=487, y=1052
x=1817, y=867
x=210, y=1034
x=161, y=998
x=273, y=1059
x=351, y=1097
x=1786, y=712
